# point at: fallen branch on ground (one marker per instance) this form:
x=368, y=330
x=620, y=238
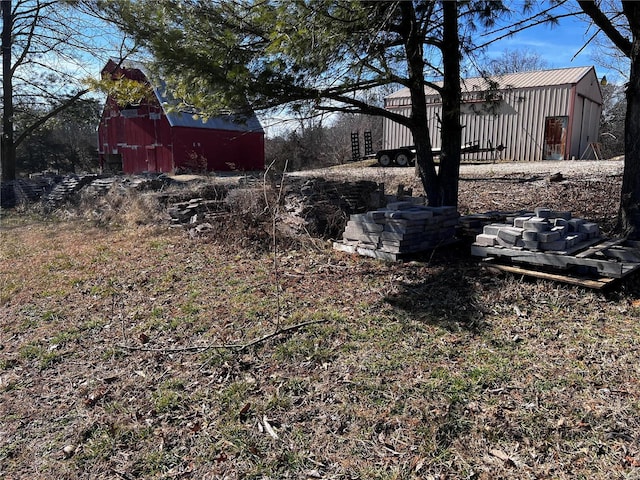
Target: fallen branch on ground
x=231, y=346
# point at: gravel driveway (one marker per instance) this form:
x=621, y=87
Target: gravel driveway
x=391, y=175
x=565, y=167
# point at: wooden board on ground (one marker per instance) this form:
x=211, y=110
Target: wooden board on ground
x=600, y=247
x=596, y=283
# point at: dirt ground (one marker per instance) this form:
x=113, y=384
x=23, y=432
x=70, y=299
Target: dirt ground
x=566, y=167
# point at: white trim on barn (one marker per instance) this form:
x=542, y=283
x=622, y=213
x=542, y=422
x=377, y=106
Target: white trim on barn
x=542, y=115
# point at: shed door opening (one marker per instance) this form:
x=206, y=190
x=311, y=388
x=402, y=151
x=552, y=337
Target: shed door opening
x=555, y=138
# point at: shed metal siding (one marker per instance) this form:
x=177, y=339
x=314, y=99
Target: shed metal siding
x=587, y=118
x=518, y=122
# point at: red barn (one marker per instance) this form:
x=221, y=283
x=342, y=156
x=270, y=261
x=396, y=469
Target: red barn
x=148, y=137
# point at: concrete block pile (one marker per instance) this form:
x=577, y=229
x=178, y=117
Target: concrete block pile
x=24, y=191
x=193, y=212
x=542, y=230
x=66, y=190
x=401, y=228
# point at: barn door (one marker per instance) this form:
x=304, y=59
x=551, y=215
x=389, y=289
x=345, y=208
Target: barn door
x=555, y=138
x=152, y=159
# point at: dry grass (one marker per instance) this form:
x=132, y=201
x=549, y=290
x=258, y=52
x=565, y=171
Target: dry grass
x=427, y=370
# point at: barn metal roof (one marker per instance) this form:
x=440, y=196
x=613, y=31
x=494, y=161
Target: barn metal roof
x=233, y=122
x=238, y=123
x=541, y=78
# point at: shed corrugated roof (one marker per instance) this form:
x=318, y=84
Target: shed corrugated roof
x=541, y=78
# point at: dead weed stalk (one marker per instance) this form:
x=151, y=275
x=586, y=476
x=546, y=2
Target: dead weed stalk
x=275, y=209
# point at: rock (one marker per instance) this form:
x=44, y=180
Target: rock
x=555, y=177
x=68, y=451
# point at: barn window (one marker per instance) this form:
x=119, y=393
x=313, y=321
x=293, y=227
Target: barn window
x=129, y=111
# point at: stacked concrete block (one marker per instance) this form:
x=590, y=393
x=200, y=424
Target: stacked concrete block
x=542, y=230
x=64, y=191
x=25, y=191
x=401, y=228
x=193, y=212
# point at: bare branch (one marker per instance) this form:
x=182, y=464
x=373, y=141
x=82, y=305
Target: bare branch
x=228, y=346
x=607, y=27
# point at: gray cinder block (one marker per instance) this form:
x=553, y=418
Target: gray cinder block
x=486, y=240
x=510, y=234
x=550, y=236
x=543, y=212
x=557, y=246
x=537, y=224
x=519, y=221
x=574, y=224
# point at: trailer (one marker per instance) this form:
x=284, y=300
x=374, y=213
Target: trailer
x=401, y=157
x=406, y=156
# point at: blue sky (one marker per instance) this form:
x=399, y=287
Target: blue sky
x=566, y=44
x=557, y=44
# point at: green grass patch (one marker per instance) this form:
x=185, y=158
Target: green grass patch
x=169, y=396
x=42, y=354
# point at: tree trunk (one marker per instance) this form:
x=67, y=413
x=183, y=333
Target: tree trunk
x=418, y=123
x=629, y=215
x=449, y=172
x=8, y=151
x=425, y=164
x=424, y=152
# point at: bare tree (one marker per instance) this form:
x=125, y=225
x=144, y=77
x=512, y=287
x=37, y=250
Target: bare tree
x=46, y=47
x=617, y=25
x=614, y=106
x=513, y=61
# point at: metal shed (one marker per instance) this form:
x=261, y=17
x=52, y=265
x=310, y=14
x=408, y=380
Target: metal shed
x=154, y=137
x=541, y=115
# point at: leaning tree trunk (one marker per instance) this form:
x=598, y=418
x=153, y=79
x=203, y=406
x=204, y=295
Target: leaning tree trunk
x=451, y=97
x=424, y=153
x=425, y=162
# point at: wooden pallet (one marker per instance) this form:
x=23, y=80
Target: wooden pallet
x=592, y=264
x=596, y=283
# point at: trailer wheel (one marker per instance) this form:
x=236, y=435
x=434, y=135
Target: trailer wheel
x=384, y=160
x=402, y=159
